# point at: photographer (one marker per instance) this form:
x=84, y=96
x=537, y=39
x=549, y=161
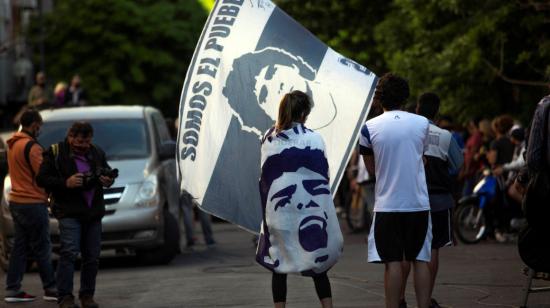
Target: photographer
x=75, y=171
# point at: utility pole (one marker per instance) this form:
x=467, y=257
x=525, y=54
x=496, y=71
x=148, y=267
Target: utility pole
x=42, y=35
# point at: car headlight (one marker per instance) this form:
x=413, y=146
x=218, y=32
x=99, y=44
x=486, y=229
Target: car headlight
x=148, y=194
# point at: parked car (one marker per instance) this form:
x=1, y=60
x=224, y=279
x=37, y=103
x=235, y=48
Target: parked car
x=136, y=140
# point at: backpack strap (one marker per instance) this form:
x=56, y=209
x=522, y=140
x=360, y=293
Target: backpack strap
x=27, y=153
x=55, y=152
x=55, y=149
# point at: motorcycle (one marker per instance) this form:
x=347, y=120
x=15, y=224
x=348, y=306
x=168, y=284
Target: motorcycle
x=473, y=219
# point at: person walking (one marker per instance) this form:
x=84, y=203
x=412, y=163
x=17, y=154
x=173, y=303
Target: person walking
x=39, y=96
x=299, y=231
x=76, y=95
x=186, y=204
x=29, y=210
x=59, y=93
x=392, y=146
x=443, y=158
x=74, y=171
x=533, y=182
x=472, y=163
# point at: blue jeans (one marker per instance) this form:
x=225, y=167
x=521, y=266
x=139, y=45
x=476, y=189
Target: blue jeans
x=32, y=232
x=186, y=216
x=78, y=237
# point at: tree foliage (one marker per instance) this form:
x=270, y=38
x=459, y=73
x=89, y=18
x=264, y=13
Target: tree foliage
x=126, y=51
x=482, y=57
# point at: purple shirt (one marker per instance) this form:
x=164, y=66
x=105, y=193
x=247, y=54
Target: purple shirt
x=83, y=166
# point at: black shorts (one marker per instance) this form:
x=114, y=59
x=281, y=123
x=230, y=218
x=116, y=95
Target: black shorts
x=442, y=229
x=396, y=236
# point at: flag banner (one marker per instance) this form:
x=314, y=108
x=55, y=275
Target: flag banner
x=249, y=55
x=300, y=231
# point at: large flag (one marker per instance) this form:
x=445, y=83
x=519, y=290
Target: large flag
x=249, y=55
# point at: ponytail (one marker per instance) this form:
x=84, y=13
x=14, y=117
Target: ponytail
x=294, y=106
x=285, y=114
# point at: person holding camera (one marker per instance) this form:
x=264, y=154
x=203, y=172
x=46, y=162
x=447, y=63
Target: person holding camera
x=75, y=171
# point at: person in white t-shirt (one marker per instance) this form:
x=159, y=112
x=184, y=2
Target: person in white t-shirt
x=443, y=158
x=392, y=146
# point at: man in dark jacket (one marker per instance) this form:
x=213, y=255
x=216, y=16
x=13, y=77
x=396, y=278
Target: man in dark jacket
x=535, y=150
x=534, y=177
x=537, y=154
x=74, y=172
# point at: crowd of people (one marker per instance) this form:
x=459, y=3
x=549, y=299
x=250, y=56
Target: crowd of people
x=497, y=145
x=414, y=163
x=417, y=164
x=455, y=161
x=494, y=145
x=41, y=96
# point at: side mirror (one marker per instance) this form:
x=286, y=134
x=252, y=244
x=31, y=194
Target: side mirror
x=167, y=150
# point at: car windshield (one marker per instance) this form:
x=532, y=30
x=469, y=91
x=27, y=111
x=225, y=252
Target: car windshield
x=119, y=138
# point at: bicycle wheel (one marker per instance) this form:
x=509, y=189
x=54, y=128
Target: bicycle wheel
x=469, y=223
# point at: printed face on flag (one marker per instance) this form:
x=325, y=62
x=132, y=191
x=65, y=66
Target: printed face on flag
x=250, y=54
x=273, y=72
x=301, y=199
x=273, y=82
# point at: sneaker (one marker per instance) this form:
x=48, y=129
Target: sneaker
x=210, y=243
x=402, y=304
x=50, y=295
x=518, y=223
x=500, y=237
x=68, y=302
x=434, y=304
x=19, y=297
x=87, y=301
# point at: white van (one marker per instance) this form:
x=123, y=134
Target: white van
x=137, y=141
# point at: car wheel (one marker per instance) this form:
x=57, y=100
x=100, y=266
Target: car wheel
x=168, y=251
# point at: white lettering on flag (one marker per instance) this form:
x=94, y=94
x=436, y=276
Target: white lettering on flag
x=249, y=55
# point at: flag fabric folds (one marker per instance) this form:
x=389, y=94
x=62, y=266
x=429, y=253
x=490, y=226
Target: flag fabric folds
x=249, y=55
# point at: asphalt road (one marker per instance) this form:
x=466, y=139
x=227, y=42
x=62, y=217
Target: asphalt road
x=482, y=275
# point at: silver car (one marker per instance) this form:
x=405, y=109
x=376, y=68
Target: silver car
x=137, y=141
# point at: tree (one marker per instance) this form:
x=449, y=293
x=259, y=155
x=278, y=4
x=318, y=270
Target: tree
x=482, y=57
x=126, y=51
x=346, y=26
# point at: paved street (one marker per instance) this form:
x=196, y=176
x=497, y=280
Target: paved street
x=483, y=275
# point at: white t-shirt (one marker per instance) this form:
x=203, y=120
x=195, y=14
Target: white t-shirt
x=397, y=139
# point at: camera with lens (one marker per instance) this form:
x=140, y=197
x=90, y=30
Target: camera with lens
x=91, y=178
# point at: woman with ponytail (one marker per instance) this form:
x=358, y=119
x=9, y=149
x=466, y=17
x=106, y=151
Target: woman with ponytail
x=300, y=231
